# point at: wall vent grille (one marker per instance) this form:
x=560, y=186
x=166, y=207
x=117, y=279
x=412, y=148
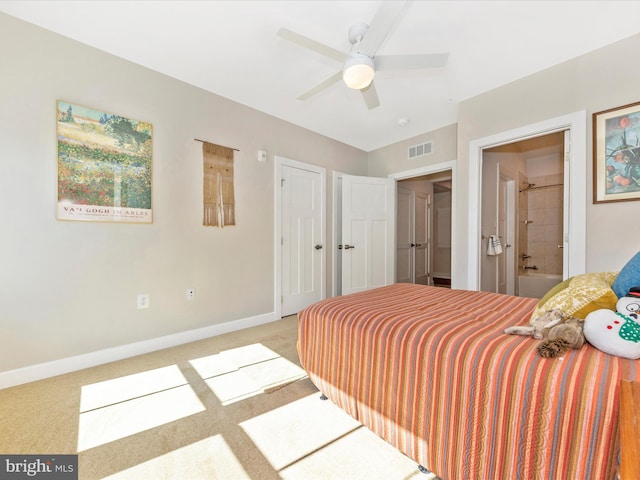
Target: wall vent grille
x=420, y=150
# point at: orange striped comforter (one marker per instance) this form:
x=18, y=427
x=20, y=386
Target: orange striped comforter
x=431, y=371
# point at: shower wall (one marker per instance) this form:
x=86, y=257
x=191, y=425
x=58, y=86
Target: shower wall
x=541, y=214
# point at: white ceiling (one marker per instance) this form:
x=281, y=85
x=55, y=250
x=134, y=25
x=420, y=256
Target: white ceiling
x=231, y=48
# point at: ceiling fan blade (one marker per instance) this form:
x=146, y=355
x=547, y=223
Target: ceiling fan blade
x=307, y=42
x=409, y=62
x=370, y=96
x=379, y=27
x=321, y=86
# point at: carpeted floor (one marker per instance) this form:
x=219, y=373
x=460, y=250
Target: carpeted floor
x=232, y=407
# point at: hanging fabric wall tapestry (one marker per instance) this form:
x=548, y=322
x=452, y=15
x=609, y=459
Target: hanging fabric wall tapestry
x=219, y=209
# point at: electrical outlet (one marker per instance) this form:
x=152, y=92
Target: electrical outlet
x=143, y=300
x=191, y=293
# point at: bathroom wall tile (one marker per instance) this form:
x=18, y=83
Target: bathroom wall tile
x=553, y=265
x=553, y=216
x=536, y=249
x=537, y=199
x=554, y=179
x=537, y=216
x=536, y=233
x=554, y=197
x=538, y=181
x=553, y=233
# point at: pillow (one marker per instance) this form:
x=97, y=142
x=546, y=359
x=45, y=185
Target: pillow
x=616, y=333
x=628, y=277
x=555, y=289
x=580, y=295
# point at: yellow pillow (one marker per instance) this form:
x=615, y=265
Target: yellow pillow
x=580, y=295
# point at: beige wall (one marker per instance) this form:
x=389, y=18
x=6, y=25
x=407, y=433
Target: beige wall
x=394, y=158
x=600, y=80
x=68, y=288
x=591, y=82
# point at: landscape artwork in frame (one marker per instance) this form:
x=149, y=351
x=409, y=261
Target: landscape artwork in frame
x=104, y=166
x=616, y=154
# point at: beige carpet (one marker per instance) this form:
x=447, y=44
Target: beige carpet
x=232, y=407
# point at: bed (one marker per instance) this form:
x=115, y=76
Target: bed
x=431, y=371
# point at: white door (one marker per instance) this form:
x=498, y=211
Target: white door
x=404, y=236
x=412, y=237
x=506, y=232
x=503, y=209
x=368, y=233
x=488, y=263
x=566, y=254
x=421, y=239
x=302, y=242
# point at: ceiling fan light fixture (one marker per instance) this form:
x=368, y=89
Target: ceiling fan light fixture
x=358, y=72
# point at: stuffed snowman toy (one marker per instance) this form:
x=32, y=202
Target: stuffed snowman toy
x=617, y=333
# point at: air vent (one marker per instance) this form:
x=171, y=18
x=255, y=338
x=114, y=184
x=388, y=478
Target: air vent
x=420, y=150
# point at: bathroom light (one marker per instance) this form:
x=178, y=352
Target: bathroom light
x=358, y=72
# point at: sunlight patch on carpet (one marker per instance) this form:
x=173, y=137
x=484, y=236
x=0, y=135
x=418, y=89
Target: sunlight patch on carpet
x=293, y=431
x=210, y=459
x=240, y=373
x=375, y=459
x=121, y=389
x=124, y=406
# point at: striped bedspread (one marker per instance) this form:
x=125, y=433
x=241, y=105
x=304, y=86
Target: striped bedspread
x=431, y=371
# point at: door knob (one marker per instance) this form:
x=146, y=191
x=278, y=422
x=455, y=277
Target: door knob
x=318, y=247
x=347, y=247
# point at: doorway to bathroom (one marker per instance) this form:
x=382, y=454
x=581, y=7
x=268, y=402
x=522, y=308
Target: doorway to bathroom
x=522, y=226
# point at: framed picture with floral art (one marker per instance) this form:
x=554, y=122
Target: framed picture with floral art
x=616, y=154
x=104, y=166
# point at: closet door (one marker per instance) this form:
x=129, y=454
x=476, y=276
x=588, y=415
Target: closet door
x=421, y=238
x=404, y=236
x=368, y=236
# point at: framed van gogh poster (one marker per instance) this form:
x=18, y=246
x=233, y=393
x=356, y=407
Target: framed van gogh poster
x=104, y=166
x=616, y=154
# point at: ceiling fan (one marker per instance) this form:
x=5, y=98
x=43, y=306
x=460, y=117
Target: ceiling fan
x=361, y=62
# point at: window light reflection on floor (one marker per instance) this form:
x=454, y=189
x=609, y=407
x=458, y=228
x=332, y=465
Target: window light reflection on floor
x=209, y=458
x=124, y=406
x=305, y=426
x=243, y=372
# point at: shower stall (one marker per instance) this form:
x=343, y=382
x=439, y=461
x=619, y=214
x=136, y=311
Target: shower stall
x=540, y=234
x=536, y=166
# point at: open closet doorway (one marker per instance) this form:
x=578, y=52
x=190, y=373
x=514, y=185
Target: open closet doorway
x=423, y=230
x=444, y=179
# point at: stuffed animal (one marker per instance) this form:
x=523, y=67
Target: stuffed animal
x=558, y=332
x=562, y=337
x=539, y=326
x=616, y=333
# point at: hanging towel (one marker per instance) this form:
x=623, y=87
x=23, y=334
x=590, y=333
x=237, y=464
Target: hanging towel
x=494, y=247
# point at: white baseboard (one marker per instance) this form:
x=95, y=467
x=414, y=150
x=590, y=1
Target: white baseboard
x=40, y=371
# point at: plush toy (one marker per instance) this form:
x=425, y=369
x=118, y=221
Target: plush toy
x=558, y=332
x=562, y=337
x=617, y=333
x=539, y=326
